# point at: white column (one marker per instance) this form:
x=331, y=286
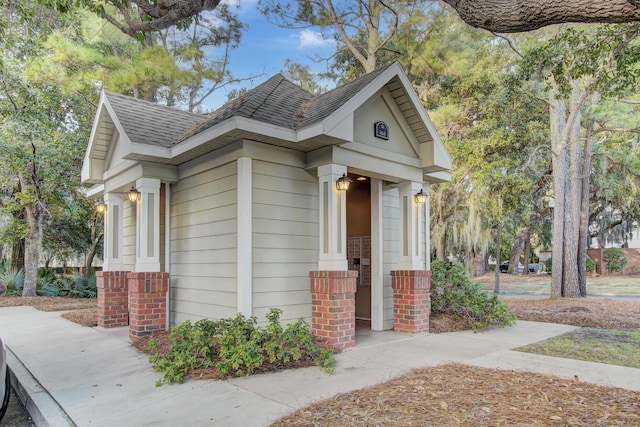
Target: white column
x=245, y=232
x=148, y=225
x=377, y=259
x=113, y=226
x=411, y=227
x=333, y=219
x=427, y=226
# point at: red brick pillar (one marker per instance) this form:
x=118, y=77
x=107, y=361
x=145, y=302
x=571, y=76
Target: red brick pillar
x=411, y=300
x=113, y=307
x=147, y=302
x=333, y=315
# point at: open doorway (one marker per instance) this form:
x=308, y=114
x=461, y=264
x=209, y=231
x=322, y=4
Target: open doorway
x=359, y=245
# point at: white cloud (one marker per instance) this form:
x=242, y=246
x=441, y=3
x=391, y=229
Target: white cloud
x=310, y=38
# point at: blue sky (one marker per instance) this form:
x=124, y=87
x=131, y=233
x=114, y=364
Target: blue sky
x=264, y=48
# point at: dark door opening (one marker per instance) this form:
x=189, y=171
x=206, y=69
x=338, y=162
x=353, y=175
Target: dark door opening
x=359, y=242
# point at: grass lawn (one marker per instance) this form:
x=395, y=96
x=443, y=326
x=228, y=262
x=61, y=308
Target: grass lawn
x=608, y=346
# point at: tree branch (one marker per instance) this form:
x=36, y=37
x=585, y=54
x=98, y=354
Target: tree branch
x=507, y=16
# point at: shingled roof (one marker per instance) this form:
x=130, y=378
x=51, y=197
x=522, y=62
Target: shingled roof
x=323, y=105
x=148, y=123
x=276, y=101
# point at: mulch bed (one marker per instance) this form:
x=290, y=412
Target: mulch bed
x=455, y=394
x=593, y=313
x=48, y=303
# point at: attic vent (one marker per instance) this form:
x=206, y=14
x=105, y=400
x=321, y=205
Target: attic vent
x=381, y=130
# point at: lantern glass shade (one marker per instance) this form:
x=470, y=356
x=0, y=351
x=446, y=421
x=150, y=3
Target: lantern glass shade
x=133, y=195
x=420, y=197
x=342, y=184
x=101, y=206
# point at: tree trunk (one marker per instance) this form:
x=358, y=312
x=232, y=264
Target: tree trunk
x=17, y=255
x=476, y=262
x=527, y=251
x=573, y=198
x=496, y=286
x=96, y=237
x=32, y=257
x=441, y=248
x=516, y=251
x=557, y=115
x=583, y=240
x=505, y=16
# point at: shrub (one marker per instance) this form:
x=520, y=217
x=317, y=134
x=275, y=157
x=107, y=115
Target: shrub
x=615, y=260
x=78, y=287
x=236, y=346
x=14, y=280
x=591, y=265
x=548, y=264
x=453, y=292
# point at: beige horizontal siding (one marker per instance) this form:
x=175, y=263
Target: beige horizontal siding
x=285, y=239
x=203, y=245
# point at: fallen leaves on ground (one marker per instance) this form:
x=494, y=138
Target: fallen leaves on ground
x=48, y=303
x=589, y=312
x=85, y=316
x=457, y=394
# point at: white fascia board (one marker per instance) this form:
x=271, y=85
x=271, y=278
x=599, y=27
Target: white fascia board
x=122, y=181
x=232, y=124
x=382, y=154
x=87, y=168
x=361, y=97
x=440, y=147
x=310, y=132
x=95, y=190
x=144, y=150
x=124, y=138
x=119, y=169
x=437, y=177
x=376, y=167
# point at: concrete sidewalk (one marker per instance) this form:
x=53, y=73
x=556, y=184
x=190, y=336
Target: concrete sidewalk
x=73, y=375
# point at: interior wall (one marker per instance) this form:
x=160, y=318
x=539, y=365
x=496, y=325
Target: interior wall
x=359, y=242
x=359, y=208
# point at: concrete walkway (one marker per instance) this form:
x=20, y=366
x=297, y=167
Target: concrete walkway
x=73, y=375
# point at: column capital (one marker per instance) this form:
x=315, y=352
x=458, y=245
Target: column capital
x=411, y=227
x=148, y=225
x=333, y=219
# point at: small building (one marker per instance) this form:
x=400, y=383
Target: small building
x=243, y=210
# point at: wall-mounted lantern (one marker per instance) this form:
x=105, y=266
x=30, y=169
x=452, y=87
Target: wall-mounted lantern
x=420, y=197
x=342, y=184
x=101, y=207
x=133, y=195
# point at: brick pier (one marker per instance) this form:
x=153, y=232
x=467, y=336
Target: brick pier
x=333, y=316
x=411, y=300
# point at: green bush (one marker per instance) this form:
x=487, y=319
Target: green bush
x=14, y=280
x=591, y=265
x=548, y=264
x=236, y=346
x=453, y=292
x=615, y=260
x=77, y=287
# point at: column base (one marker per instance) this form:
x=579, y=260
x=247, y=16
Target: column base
x=147, y=302
x=333, y=316
x=411, y=300
x=113, y=304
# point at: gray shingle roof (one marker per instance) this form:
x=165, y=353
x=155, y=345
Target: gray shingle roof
x=148, y=123
x=318, y=108
x=275, y=101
